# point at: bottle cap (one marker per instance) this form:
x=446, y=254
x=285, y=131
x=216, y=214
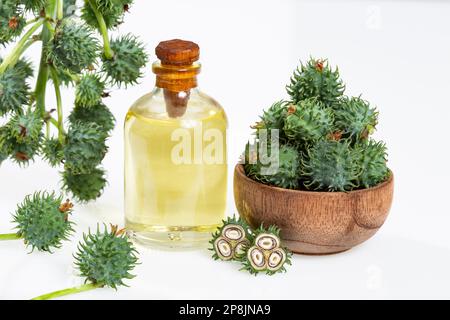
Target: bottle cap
x=177, y=52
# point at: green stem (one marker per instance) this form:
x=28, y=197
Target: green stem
x=65, y=292
x=41, y=82
x=109, y=54
x=59, y=105
x=60, y=9
x=17, y=50
x=9, y=236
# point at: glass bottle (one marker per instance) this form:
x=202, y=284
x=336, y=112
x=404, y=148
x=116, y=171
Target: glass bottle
x=175, y=156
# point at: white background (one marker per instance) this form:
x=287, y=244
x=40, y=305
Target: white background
x=397, y=53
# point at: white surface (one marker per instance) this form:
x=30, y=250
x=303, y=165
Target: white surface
x=395, y=53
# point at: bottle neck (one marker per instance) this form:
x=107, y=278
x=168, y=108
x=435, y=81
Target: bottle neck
x=176, y=81
x=176, y=78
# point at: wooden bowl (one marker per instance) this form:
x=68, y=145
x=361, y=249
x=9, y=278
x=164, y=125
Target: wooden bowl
x=314, y=222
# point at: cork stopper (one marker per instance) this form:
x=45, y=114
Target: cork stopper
x=177, y=52
x=176, y=73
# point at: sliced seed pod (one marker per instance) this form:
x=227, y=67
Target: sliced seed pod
x=230, y=240
x=266, y=253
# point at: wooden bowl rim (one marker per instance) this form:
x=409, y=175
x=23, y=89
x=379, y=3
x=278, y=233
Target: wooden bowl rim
x=239, y=169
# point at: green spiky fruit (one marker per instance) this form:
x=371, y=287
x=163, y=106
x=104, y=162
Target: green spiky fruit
x=85, y=147
x=33, y=5
x=129, y=58
x=266, y=254
x=283, y=174
x=73, y=47
x=12, y=21
x=20, y=150
x=230, y=240
x=112, y=19
x=316, y=79
x=89, y=91
x=43, y=221
x=26, y=127
x=355, y=118
x=308, y=121
x=106, y=257
x=53, y=152
x=14, y=89
x=85, y=187
x=372, y=161
x=274, y=117
x=331, y=166
x=99, y=114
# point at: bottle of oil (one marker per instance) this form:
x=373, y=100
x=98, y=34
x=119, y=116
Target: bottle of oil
x=175, y=156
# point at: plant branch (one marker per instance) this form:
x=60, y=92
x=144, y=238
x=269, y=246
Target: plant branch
x=59, y=105
x=9, y=236
x=65, y=292
x=41, y=82
x=60, y=9
x=17, y=50
x=109, y=54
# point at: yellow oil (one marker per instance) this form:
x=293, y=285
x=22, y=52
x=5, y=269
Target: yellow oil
x=171, y=203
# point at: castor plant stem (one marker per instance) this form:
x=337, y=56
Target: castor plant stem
x=59, y=106
x=41, y=82
x=10, y=236
x=60, y=9
x=69, y=291
x=109, y=54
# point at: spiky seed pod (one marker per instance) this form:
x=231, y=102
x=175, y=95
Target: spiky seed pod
x=99, y=114
x=355, y=118
x=73, y=47
x=285, y=175
x=12, y=21
x=89, y=91
x=85, y=147
x=33, y=5
x=316, y=79
x=14, y=89
x=112, y=19
x=53, y=152
x=26, y=127
x=23, y=151
x=85, y=187
x=372, y=161
x=331, y=166
x=106, y=257
x=266, y=253
x=231, y=239
x=308, y=121
x=273, y=119
x=43, y=221
x=129, y=57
